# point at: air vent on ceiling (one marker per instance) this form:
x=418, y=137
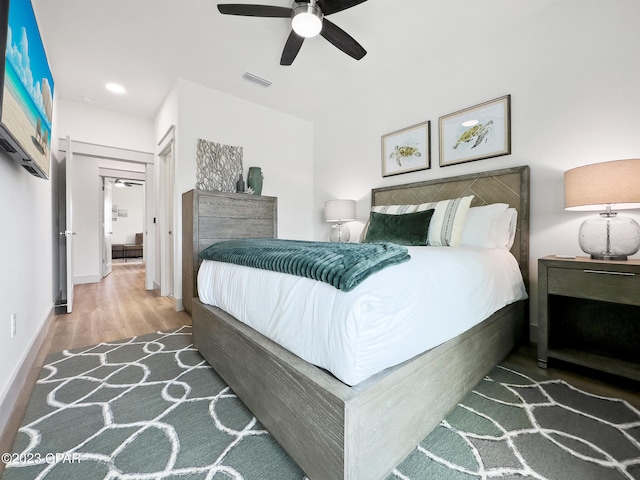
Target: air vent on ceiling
x=255, y=78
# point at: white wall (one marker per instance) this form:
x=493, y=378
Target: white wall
x=87, y=211
x=572, y=71
x=279, y=143
x=130, y=199
x=85, y=123
x=101, y=127
x=27, y=284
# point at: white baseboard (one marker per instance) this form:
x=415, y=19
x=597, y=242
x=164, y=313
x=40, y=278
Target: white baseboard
x=86, y=279
x=17, y=383
x=177, y=304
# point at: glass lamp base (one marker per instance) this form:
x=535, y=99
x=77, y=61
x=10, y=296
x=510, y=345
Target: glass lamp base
x=609, y=237
x=339, y=233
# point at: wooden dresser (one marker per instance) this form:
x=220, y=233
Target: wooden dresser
x=221, y=216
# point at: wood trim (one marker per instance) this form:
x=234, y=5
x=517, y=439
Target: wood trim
x=103, y=151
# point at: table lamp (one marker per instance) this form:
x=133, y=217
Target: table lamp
x=606, y=186
x=339, y=211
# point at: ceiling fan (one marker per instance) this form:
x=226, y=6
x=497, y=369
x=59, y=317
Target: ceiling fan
x=126, y=183
x=307, y=20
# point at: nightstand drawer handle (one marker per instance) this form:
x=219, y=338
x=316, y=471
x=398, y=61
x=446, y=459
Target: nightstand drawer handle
x=624, y=274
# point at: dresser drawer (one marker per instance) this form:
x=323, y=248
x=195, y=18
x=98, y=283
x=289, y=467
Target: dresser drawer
x=596, y=284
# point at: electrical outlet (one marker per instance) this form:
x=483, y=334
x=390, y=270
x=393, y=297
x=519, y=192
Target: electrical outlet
x=13, y=325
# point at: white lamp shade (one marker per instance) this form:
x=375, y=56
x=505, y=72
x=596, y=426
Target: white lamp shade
x=592, y=187
x=340, y=210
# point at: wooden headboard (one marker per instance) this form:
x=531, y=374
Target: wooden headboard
x=509, y=185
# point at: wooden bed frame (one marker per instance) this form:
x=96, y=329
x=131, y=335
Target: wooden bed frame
x=363, y=432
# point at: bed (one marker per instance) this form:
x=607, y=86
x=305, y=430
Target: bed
x=337, y=431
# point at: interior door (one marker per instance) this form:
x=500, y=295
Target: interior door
x=167, y=247
x=68, y=229
x=107, y=226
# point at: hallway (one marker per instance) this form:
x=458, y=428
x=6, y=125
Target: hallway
x=117, y=307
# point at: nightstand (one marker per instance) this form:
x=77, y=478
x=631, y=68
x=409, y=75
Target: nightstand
x=589, y=314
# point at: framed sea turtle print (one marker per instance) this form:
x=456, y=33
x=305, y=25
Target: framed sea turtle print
x=475, y=133
x=407, y=150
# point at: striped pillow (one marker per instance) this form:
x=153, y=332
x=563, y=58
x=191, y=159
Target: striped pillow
x=448, y=219
x=395, y=209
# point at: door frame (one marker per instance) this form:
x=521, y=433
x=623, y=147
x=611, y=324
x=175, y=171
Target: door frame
x=68, y=227
x=166, y=216
x=122, y=155
x=105, y=175
x=107, y=224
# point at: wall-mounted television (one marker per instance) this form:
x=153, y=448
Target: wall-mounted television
x=26, y=102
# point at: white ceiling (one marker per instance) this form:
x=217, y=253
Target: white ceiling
x=145, y=45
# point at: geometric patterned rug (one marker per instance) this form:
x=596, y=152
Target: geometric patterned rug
x=513, y=427
x=150, y=407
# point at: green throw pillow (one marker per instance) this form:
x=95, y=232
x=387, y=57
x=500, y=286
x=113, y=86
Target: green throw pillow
x=407, y=229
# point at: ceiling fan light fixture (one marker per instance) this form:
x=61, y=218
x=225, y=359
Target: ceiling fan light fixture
x=306, y=19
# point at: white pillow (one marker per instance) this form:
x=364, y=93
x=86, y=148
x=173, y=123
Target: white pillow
x=448, y=220
x=480, y=228
x=490, y=226
x=507, y=227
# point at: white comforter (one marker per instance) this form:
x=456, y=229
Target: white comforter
x=392, y=316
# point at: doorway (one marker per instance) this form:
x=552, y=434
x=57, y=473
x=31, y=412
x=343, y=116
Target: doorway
x=123, y=224
x=89, y=164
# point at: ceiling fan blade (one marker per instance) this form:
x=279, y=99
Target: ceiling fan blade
x=248, y=10
x=332, y=6
x=342, y=40
x=291, y=48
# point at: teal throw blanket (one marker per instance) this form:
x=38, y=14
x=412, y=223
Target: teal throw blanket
x=342, y=265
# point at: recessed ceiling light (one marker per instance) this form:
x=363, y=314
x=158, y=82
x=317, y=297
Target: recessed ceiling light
x=115, y=88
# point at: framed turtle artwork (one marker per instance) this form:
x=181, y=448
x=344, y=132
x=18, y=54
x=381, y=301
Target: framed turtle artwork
x=475, y=133
x=407, y=150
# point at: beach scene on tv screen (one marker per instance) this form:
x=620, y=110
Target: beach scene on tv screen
x=27, y=101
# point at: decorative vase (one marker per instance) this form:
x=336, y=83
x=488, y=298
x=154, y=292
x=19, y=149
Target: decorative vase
x=254, y=181
x=240, y=185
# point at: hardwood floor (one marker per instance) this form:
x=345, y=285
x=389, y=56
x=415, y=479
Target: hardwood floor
x=524, y=360
x=117, y=307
